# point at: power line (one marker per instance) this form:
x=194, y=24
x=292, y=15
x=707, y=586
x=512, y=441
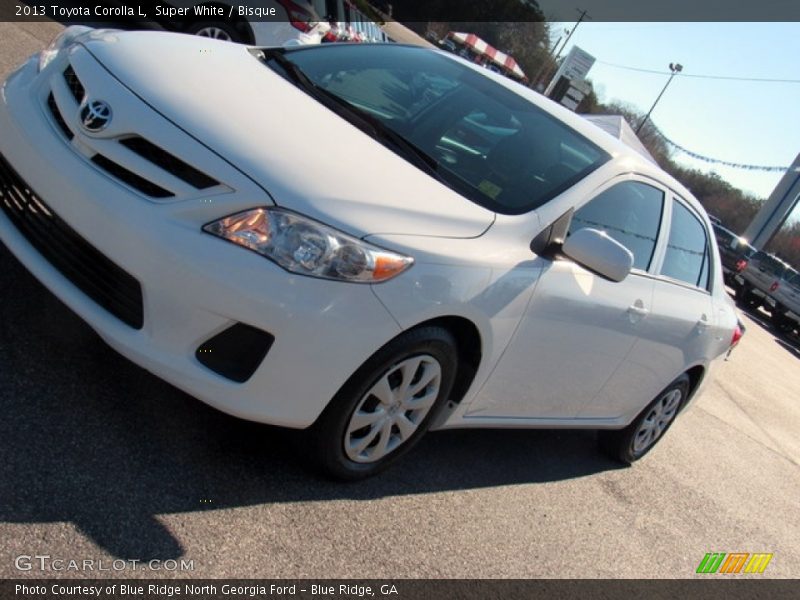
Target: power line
x=698, y=76
x=716, y=161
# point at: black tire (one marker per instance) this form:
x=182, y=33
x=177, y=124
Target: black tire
x=232, y=30
x=324, y=442
x=746, y=298
x=621, y=444
x=781, y=322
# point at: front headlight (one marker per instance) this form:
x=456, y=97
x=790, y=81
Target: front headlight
x=61, y=41
x=302, y=245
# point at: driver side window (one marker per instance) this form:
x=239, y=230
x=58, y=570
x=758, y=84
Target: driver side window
x=630, y=212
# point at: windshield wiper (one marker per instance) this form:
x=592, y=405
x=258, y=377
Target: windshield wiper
x=363, y=120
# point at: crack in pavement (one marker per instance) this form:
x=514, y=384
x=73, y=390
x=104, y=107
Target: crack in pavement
x=780, y=451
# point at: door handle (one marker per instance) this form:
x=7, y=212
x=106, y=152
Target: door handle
x=702, y=324
x=638, y=309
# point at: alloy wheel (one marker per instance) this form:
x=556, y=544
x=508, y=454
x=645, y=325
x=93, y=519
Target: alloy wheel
x=392, y=410
x=216, y=33
x=657, y=421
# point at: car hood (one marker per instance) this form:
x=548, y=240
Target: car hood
x=305, y=156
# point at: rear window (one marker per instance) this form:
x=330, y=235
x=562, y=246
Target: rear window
x=746, y=250
x=490, y=144
x=724, y=237
x=687, y=257
x=769, y=264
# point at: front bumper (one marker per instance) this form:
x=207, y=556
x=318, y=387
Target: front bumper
x=193, y=285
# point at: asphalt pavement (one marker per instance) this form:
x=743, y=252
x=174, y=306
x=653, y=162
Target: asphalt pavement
x=101, y=461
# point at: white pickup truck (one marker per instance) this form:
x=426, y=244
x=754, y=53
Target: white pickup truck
x=756, y=281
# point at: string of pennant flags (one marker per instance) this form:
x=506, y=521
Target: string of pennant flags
x=724, y=163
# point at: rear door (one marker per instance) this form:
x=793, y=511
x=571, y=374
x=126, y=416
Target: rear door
x=680, y=331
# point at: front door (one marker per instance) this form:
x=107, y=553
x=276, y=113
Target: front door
x=579, y=327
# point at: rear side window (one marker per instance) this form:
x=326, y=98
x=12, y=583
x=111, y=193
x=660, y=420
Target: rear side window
x=770, y=265
x=629, y=212
x=687, y=253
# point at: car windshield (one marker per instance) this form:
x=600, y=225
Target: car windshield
x=489, y=144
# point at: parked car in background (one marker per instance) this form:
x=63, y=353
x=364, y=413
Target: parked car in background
x=783, y=303
x=292, y=22
x=734, y=252
x=754, y=283
x=295, y=22
x=494, y=261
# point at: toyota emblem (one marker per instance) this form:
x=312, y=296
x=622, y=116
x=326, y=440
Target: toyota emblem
x=95, y=115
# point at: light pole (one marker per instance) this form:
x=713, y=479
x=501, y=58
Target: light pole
x=675, y=68
x=558, y=41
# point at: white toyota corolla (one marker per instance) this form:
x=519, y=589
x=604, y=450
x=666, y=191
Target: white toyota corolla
x=361, y=241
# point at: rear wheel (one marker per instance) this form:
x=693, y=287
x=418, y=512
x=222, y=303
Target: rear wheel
x=781, y=322
x=637, y=439
x=386, y=406
x=746, y=298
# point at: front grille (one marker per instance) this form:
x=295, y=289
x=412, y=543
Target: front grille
x=168, y=162
x=132, y=179
x=76, y=259
x=154, y=154
x=58, y=117
x=74, y=84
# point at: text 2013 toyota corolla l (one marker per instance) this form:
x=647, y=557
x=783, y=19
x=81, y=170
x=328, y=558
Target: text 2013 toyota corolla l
x=364, y=242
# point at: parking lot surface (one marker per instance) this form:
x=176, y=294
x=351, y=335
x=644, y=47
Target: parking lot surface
x=100, y=460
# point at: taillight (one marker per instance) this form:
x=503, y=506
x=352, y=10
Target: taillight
x=299, y=17
x=737, y=335
x=774, y=286
x=740, y=265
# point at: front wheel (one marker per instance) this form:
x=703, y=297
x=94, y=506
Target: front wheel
x=386, y=406
x=637, y=439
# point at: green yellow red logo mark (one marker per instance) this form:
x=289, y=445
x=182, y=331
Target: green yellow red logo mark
x=735, y=562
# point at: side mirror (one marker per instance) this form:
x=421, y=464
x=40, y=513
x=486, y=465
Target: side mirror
x=599, y=253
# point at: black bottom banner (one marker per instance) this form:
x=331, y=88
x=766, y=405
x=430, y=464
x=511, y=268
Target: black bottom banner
x=401, y=589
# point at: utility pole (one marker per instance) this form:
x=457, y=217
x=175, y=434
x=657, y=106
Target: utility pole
x=583, y=16
x=675, y=68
